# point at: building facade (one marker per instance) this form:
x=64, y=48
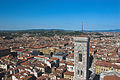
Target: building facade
x=81, y=55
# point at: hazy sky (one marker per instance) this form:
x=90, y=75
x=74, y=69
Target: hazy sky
x=59, y=14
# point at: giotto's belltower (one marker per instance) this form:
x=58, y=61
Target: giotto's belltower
x=81, y=50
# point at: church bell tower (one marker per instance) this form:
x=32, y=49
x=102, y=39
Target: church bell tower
x=81, y=50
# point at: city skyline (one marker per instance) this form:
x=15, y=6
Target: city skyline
x=59, y=14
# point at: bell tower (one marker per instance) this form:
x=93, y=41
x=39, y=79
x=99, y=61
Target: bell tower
x=81, y=50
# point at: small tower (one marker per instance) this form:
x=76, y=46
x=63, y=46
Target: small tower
x=81, y=50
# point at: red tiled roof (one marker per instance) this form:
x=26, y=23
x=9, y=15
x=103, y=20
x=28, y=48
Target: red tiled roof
x=43, y=78
x=69, y=73
x=83, y=36
x=113, y=77
x=54, y=58
x=63, y=61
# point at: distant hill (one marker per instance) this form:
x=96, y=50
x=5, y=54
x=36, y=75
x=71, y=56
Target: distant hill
x=37, y=30
x=45, y=30
x=114, y=30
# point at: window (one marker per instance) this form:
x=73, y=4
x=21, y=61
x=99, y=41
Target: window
x=81, y=72
x=80, y=57
x=71, y=68
x=78, y=72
